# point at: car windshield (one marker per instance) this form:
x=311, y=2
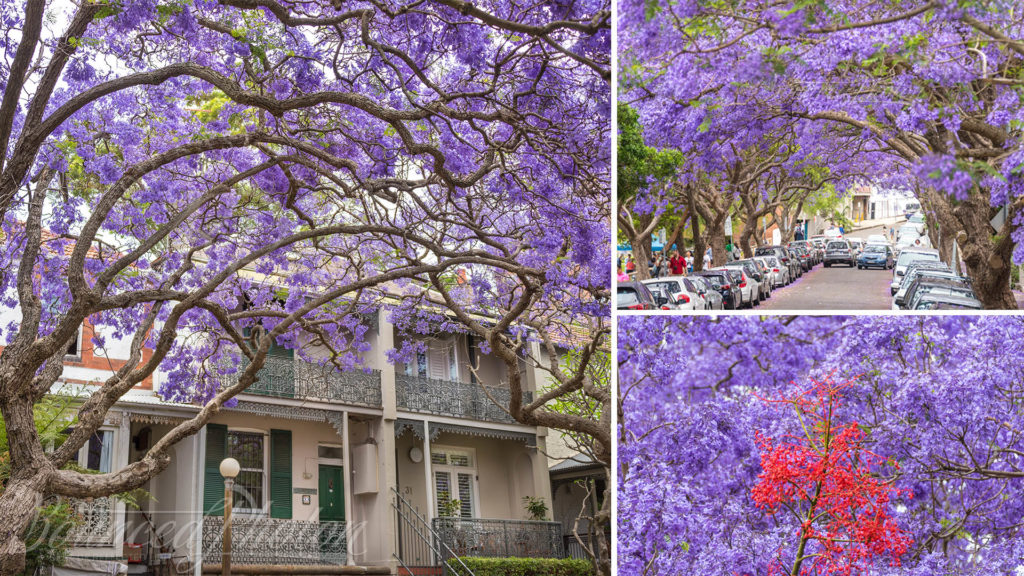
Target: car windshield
x=880, y=249
x=716, y=281
x=837, y=246
x=908, y=257
x=916, y=218
x=627, y=297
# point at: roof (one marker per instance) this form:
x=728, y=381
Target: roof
x=576, y=462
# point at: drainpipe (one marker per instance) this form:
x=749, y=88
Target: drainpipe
x=429, y=474
x=349, y=512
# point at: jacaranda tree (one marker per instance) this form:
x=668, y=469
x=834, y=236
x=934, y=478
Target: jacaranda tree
x=206, y=178
x=932, y=87
x=821, y=445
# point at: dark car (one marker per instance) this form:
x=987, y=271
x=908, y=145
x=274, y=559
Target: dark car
x=810, y=247
x=932, y=301
x=806, y=261
x=635, y=296
x=721, y=280
x=875, y=256
x=839, y=252
x=924, y=286
x=784, y=256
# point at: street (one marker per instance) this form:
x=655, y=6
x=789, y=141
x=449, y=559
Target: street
x=836, y=288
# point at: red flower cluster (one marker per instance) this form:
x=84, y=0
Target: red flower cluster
x=824, y=478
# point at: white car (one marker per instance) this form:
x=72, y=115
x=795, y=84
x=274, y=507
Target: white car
x=750, y=289
x=878, y=239
x=908, y=255
x=779, y=273
x=681, y=293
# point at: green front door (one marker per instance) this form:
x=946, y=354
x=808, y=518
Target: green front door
x=332, y=494
x=332, y=515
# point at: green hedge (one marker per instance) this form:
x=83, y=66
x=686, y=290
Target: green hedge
x=522, y=566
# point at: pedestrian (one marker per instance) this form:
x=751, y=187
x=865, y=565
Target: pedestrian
x=622, y=276
x=659, y=263
x=689, y=261
x=677, y=264
x=707, y=258
x=892, y=232
x=630, y=265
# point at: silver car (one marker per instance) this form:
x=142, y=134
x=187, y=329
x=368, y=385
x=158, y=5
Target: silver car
x=779, y=273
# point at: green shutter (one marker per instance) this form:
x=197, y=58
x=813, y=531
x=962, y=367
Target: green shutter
x=281, y=474
x=213, y=482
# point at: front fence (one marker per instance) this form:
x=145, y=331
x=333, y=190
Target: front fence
x=272, y=541
x=500, y=538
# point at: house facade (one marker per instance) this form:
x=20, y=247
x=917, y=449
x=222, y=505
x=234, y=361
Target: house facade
x=393, y=467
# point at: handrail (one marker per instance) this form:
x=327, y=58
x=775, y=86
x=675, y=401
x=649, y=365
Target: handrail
x=422, y=528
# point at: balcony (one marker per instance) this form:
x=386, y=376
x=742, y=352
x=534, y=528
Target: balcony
x=287, y=378
x=276, y=542
x=500, y=538
x=459, y=399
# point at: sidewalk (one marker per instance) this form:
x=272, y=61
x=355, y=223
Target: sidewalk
x=864, y=224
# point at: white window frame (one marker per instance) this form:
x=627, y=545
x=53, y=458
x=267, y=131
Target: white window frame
x=452, y=472
x=83, y=452
x=265, y=510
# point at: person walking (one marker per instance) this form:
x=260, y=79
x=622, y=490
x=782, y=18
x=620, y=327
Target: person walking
x=630, y=265
x=659, y=263
x=689, y=261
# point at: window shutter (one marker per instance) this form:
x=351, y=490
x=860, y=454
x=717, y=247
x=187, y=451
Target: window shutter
x=281, y=474
x=437, y=364
x=465, y=495
x=213, y=482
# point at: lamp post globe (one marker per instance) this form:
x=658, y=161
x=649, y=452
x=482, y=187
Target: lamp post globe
x=229, y=468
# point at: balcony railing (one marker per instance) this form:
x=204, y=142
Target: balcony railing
x=500, y=538
x=459, y=399
x=97, y=522
x=276, y=542
x=287, y=378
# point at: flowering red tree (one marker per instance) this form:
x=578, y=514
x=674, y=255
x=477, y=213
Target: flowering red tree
x=823, y=477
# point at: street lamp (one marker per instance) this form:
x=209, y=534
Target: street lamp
x=229, y=469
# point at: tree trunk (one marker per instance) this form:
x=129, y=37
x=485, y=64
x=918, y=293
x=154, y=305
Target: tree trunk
x=641, y=257
x=986, y=256
x=18, y=503
x=717, y=231
x=748, y=231
x=699, y=244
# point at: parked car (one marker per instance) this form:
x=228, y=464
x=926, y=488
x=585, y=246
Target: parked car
x=759, y=274
x=712, y=298
x=749, y=288
x=802, y=255
x=678, y=290
x=876, y=256
x=930, y=269
x=937, y=286
x=811, y=249
x=905, y=258
x=917, y=220
x=934, y=301
x=839, y=252
x=784, y=256
x=779, y=273
x=635, y=296
x=721, y=280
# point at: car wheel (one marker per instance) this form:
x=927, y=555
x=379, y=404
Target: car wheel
x=827, y=265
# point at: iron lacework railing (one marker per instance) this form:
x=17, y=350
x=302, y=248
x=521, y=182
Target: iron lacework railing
x=277, y=542
x=459, y=399
x=288, y=378
x=500, y=538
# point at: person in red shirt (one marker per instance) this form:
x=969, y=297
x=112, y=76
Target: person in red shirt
x=677, y=264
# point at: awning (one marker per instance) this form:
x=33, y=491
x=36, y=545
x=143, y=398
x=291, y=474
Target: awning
x=402, y=425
